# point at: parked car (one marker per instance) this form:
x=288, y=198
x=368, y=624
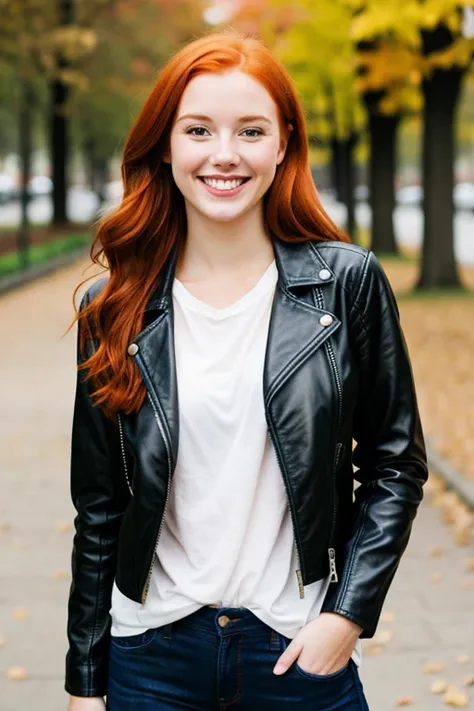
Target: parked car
x=409, y=195
x=8, y=189
x=464, y=196
x=40, y=185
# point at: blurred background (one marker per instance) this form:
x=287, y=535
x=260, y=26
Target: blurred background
x=388, y=91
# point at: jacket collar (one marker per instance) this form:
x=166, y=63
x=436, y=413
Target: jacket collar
x=298, y=264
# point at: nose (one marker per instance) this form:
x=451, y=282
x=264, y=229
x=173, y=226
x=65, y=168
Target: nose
x=224, y=154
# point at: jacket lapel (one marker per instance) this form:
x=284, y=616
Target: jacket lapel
x=296, y=330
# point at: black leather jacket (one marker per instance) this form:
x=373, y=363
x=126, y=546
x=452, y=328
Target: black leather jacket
x=336, y=370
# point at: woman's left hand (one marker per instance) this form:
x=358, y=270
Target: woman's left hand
x=323, y=646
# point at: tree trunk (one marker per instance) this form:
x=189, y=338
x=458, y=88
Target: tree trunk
x=24, y=149
x=383, y=134
x=441, y=94
x=60, y=130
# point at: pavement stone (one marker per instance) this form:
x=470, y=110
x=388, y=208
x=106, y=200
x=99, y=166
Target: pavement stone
x=434, y=620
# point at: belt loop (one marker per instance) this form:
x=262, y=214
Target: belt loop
x=274, y=641
x=168, y=630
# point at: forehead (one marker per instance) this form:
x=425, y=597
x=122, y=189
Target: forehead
x=226, y=95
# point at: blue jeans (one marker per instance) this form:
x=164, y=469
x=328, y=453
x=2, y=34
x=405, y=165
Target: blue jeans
x=219, y=659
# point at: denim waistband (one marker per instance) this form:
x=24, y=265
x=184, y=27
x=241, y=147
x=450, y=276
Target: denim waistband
x=226, y=621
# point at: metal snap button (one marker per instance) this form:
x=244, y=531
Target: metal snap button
x=326, y=320
x=132, y=349
x=223, y=620
x=324, y=274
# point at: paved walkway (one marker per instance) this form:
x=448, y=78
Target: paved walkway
x=434, y=619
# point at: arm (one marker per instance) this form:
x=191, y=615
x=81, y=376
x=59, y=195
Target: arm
x=100, y=499
x=390, y=454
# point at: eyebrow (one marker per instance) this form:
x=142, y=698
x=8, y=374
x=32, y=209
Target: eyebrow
x=242, y=119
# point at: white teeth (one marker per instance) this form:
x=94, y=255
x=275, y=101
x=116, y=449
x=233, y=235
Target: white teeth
x=223, y=184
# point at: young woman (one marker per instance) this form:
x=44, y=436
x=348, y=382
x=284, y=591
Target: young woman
x=239, y=346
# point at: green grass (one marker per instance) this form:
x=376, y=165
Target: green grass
x=11, y=262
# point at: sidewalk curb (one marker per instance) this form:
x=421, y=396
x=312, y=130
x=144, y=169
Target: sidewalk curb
x=460, y=484
x=14, y=281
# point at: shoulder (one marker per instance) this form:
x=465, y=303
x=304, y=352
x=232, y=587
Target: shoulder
x=351, y=264
x=94, y=289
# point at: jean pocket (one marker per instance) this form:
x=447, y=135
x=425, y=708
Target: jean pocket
x=322, y=677
x=135, y=642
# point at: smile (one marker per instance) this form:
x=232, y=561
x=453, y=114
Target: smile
x=223, y=187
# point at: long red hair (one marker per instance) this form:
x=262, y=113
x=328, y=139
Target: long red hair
x=135, y=240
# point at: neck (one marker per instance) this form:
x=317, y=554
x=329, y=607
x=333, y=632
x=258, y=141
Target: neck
x=214, y=247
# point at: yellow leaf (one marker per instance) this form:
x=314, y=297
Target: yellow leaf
x=387, y=616
x=383, y=636
x=433, y=667
x=463, y=659
x=455, y=698
x=19, y=613
x=404, y=701
x=373, y=650
x=439, y=686
x=17, y=674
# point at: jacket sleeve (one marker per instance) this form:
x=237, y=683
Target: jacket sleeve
x=390, y=454
x=100, y=501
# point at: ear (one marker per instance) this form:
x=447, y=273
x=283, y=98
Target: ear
x=284, y=143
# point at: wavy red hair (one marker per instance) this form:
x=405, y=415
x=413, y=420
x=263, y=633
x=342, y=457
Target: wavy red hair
x=134, y=241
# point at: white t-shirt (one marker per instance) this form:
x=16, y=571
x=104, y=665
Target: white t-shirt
x=227, y=536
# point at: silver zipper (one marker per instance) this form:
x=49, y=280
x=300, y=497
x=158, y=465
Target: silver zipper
x=332, y=566
x=122, y=446
x=168, y=487
x=333, y=578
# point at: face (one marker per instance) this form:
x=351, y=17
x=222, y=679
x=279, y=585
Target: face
x=225, y=145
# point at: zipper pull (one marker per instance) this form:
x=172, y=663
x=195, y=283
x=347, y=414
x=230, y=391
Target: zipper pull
x=332, y=566
x=300, y=583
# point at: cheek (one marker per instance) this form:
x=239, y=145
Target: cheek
x=186, y=156
x=261, y=158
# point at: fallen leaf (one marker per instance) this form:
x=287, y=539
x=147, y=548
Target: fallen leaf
x=387, y=617
x=436, y=577
x=463, y=659
x=17, y=673
x=373, y=650
x=436, y=551
x=439, y=686
x=383, y=636
x=60, y=575
x=469, y=680
x=5, y=527
x=64, y=527
x=19, y=613
x=433, y=667
x=404, y=701
x=455, y=698
x=470, y=564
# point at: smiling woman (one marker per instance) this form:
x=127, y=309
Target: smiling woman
x=238, y=348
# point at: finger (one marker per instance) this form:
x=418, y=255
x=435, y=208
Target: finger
x=285, y=661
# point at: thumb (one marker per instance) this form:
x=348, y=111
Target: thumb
x=290, y=655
